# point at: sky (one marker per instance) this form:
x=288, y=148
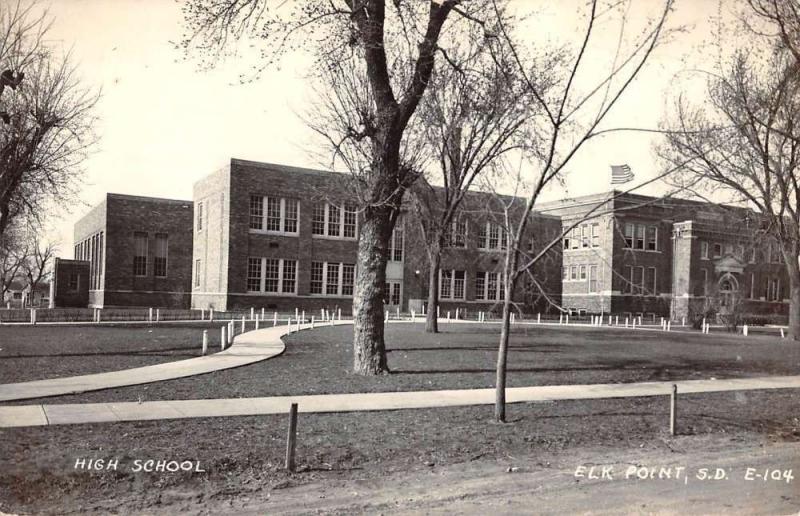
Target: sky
x=164, y=124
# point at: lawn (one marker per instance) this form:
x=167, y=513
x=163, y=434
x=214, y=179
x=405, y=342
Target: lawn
x=242, y=456
x=40, y=352
x=463, y=356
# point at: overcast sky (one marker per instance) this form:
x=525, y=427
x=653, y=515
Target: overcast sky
x=164, y=124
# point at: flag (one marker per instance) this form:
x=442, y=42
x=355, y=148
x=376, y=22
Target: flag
x=620, y=174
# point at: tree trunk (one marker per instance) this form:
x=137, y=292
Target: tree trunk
x=431, y=319
x=794, y=297
x=369, y=349
x=502, y=359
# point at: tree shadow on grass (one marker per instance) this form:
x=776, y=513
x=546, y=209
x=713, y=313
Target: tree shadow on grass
x=152, y=353
x=530, y=349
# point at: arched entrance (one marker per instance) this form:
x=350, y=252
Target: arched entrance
x=728, y=288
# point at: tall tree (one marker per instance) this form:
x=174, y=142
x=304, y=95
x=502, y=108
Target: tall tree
x=37, y=267
x=572, y=103
x=742, y=139
x=395, y=44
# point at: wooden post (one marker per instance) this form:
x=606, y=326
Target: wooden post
x=252, y=313
x=150, y=315
x=539, y=318
x=202, y=314
x=296, y=312
x=560, y=318
x=242, y=325
x=262, y=313
x=312, y=322
x=567, y=319
x=291, y=438
x=782, y=333
x=386, y=317
x=673, y=409
x=223, y=339
x=158, y=314
x=340, y=314
x=413, y=319
x=398, y=313
x=274, y=318
x=616, y=320
x=256, y=321
x=210, y=314
x=304, y=320
x=205, y=342
x=744, y=330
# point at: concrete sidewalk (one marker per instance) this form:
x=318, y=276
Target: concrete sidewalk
x=247, y=348
x=41, y=415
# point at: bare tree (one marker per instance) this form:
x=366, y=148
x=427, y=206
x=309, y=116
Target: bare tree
x=569, y=114
x=395, y=44
x=743, y=138
x=473, y=114
x=14, y=253
x=21, y=34
x=44, y=139
x=37, y=267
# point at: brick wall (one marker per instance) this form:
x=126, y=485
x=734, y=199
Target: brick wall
x=64, y=295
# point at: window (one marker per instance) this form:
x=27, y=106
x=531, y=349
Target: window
x=451, y=284
x=567, y=239
x=773, y=289
x=492, y=237
x=348, y=278
x=752, y=285
x=272, y=274
x=704, y=278
x=458, y=284
x=752, y=255
x=480, y=285
x=74, y=281
x=740, y=252
x=273, y=214
x=492, y=292
x=775, y=253
x=333, y=220
x=160, y=257
x=332, y=279
x=729, y=249
x=488, y=286
x=650, y=282
x=652, y=238
x=583, y=273
x=457, y=236
x=289, y=279
x=253, y=274
x=640, y=237
x=638, y=280
x=596, y=234
x=256, y=212
x=140, y=254
x=593, y=278
x=629, y=231
x=717, y=250
x=704, y=250
x=396, y=243
x=391, y=293
x=565, y=273
x=197, y=273
x=585, y=236
x=627, y=276
x=317, y=277
x=350, y=219
x=573, y=273
x=199, y=217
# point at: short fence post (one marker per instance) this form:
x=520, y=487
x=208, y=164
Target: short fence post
x=616, y=320
x=386, y=317
x=560, y=318
x=99, y=316
x=683, y=321
x=744, y=330
x=782, y=333
x=256, y=321
x=231, y=333
x=242, y=325
x=322, y=313
x=669, y=325
x=539, y=318
x=413, y=319
x=304, y=319
x=673, y=409
x=312, y=322
x=222, y=338
x=448, y=316
x=202, y=314
x=158, y=314
x=210, y=314
x=567, y=319
x=205, y=342
x=150, y=315
x=398, y=313
x=33, y=316
x=340, y=314
x=296, y=312
x=274, y=318
x=252, y=313
x=291, y=438
x=262, y=313
x=297, y=328
x=438, y=312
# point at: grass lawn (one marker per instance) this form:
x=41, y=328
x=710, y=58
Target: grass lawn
x=463, y=356
x=242, y=456
x=41, y=352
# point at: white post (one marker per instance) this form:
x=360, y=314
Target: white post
x=158, y=314
x=398, y=313
x=633, y=326
x=322, y=313
x=703, y=326
x=99, y=316
x=33, y=316
x=210, y=314
x=298, y=323
x=296, y=312
x=683, y=321
x=202, y=314
x=150, y=315
x=539, y=318
x=560, y=318
x=257, y=321
x=340, y=314
x=262, y=313
x=626, y=322
x=252, y=313
x=744, y=330
x=567, y=319
x=386, y=317
x=413, y=316
x=782, y=333
x=438, y=312
x=242, y=325
x=609, y=319
x=275, y=318
x=448, y=316
x=669, y=325
x=223, y=338
x=205, y=342
x=616, y=320
x=312, y=322
x=304, y=319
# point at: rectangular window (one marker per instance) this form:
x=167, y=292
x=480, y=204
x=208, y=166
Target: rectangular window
x=394, y=296
x=256, y=212
x=640, y=236
x=199, y=217
x=160, y=256
x=583, y=273
x=627, y=277
x=197, y=264
x=729, y=249
x=334, y=221
x=773, y=289
x=348, y=278
x=318, y=219
x=629, y=231
x=775, y=253
x=140, y=254
x=273, y=213
x=752, y=257
x=638, y=279
x=717, y=250
x=332, y=279
x=596, y=234
x=396, y=243
x=574, y=273
x=585, y=236
x=752, y=285
x=482, y=236
x=254, y=274
x=492, y=292
x=458, y=234
x=459, y=277
x=593, y=278
x=652, y=238
x=494, y=236
x=271, y=274
x=350, y=218
x=650, y=282
x=316, y=277
x=565, y=273
x=480, y=285
x=704, y=250
x=704, y=279
x=290, y=216
x=445, y=284
x=289, y=279
x=575, y=240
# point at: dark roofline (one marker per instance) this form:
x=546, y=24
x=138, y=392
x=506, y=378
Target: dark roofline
x=282, y=168
x=146, y=198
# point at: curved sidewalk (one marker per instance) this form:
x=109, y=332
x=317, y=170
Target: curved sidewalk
x=247, y=348
x=44, y=415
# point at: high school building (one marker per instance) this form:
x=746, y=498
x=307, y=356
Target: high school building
x=138, y=250
x=279, y=237
x=282, y=237
x=644, y=255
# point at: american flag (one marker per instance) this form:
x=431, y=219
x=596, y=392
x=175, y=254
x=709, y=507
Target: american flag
x=620, y=174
